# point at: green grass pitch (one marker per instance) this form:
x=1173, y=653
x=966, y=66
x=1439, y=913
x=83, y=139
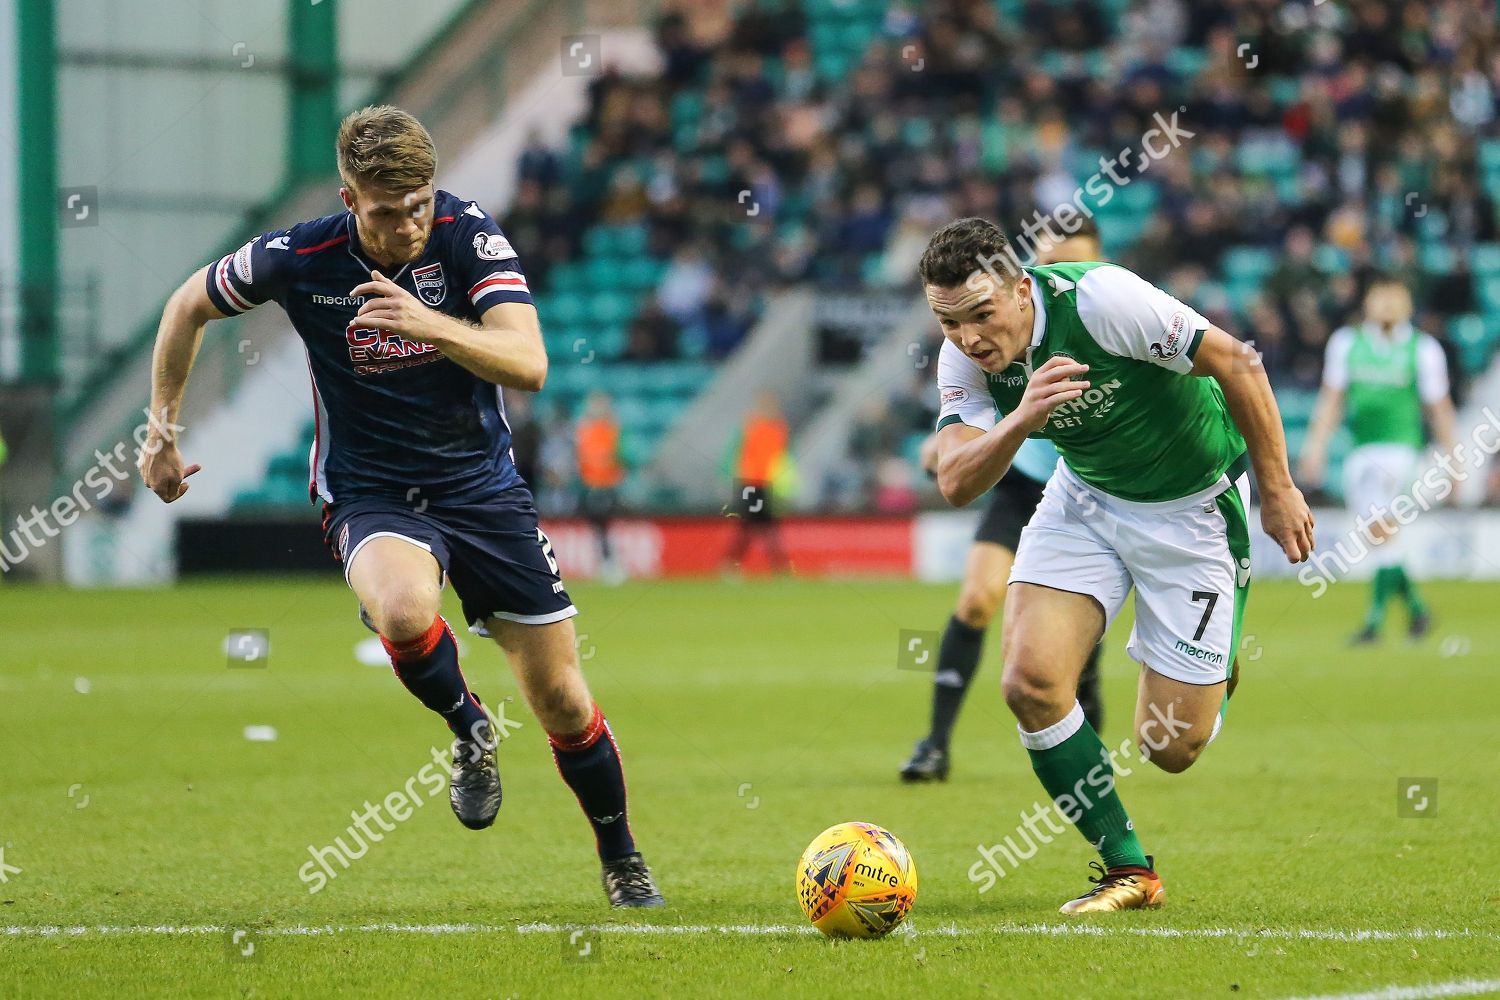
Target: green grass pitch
x=135, y=814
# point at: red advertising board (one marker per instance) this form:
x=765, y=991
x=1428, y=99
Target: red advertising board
x=697, y=546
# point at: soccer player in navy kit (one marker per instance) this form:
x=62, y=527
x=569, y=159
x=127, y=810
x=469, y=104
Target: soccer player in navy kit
x=415, y=315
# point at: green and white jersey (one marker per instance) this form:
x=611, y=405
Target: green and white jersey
x=1146, y=431
x=1385, y=381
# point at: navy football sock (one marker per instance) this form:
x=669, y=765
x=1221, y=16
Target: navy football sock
x=958, y=658
x=590, y=763
x=428, y=667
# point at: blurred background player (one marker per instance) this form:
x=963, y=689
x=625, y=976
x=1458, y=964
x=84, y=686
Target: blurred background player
x=987, y=568
x=760, y=458
x=601, y=470
x=415, y=313
x=1382, y=377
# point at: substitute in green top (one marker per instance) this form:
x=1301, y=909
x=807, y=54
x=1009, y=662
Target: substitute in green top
x=1388, y=383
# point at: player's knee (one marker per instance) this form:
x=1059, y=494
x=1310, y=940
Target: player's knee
x=1033, y=698
x=976, y=609
x=1173, y=756
x=560, y=707
x=403, y=614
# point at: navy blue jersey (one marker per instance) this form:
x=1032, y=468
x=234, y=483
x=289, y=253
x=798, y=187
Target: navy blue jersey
x=395, y=419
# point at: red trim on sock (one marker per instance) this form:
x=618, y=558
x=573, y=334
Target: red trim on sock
x=573, y=742
x=419, y=648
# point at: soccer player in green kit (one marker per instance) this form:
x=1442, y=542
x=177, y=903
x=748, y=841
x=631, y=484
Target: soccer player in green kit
x=1384, y=377
x=1158, y=415
x=987, y=567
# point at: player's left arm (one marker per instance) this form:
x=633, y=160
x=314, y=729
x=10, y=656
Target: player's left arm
x=505, y=348
x=1284, y=513
x=1130, y=317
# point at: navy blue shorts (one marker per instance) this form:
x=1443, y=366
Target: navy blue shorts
x=1012, y=502
x=495, y=554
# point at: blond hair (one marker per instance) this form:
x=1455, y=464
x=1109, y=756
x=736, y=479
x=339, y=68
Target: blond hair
x=383, y=147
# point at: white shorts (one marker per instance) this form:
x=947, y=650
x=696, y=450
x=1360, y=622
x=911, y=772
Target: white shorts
x=1375, y=474
x=1188, y=560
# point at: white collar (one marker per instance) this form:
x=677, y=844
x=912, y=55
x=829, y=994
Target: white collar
x=1399, y=333
x=1039, y=323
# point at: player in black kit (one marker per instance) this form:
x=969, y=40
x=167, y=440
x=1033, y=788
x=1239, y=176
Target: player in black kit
x=415, y=315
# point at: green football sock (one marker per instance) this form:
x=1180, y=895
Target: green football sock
x=1381, y=589
x=1070, y=761
x=1407, y=588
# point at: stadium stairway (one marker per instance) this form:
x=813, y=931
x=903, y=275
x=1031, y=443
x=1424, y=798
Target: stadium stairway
x=777, y=354
x=823, y=442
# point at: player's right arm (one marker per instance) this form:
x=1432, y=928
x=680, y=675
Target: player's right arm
x=974, y=449
x=1328, y=412
x=231, y=285
x=178, y=336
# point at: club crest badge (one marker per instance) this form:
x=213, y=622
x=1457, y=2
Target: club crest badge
x=431, y=287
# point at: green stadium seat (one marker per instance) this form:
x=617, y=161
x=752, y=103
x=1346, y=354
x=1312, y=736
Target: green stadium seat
x=1492, y=182
x=640, y=273
x=289, y=465
x=855, y=36
x=1248, y=264
x=1331, y=259
x=1285, y=90
x=561, y=309
x=1186, y=61
x=1489, y=155
x=565, y=277
x=1436, y=258
x=1296, y=406
x=631, y=411
x=687, y=108
x=1268, y=157
x=600, y=273
x=1485, y=259
x=1138, y=198
x=599, y=241
x=1488, y=287
x=1472, y=339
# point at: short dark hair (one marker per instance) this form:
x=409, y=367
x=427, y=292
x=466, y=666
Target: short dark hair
x=1385, y=279
x=961, y=248
x=1086, y=226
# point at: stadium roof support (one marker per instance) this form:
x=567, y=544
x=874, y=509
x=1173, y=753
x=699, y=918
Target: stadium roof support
x=36, y=190
x=312, y=47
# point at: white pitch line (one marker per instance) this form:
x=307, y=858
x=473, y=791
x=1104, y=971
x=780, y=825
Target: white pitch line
x=1428, y=991
x=761, y=930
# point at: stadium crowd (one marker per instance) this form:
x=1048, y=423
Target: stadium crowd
x=1322, y=142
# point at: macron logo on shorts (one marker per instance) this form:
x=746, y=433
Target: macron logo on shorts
x=1198, y=652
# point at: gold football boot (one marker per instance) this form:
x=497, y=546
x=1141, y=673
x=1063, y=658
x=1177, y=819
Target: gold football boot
x=1129, y=888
